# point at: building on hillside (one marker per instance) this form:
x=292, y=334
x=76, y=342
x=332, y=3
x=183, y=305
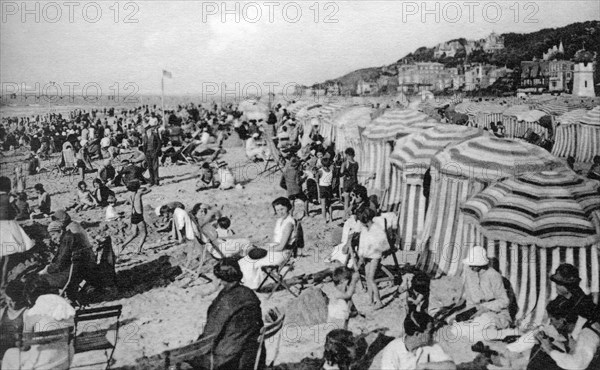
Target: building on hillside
x=583, y=73
x=481, y=76
x=560, y=75
x=333, y=89
x=554, y=52
x=366, y=87
x=447, y=49
x=492, y=43
x=425, y=76
x=387, y=84
x=550, y=74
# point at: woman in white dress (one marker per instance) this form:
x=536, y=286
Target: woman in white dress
x=278, y=251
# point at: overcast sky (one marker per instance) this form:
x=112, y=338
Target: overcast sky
x=190, y=39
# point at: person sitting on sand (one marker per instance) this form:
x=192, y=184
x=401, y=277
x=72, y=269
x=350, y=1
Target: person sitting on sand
x=107, y=172
x=22, y=207
x=11, y=316
x=224, y=176
x=223, y=227
x=44, y=206
x=183, y=228
x=417, y=349
x=70, y=250
x=75, y=227
x=85, y=199
x=103, y=195
x=254, y=151
x=137, y=215
x=233, y=324
x=127, y=173
x=206, y=179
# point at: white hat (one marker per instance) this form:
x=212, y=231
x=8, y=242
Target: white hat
x=477, y=256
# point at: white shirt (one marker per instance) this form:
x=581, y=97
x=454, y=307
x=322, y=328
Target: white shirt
x=181, y=219
x=397, y=357
x=581, y=354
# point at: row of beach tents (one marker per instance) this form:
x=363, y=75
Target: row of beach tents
x=454, y=186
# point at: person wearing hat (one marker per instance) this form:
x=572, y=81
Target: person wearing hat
x=417, y=348
x=71, y=249
x=254, y=151
x=566, y=277
x=151, y=146
x=233, y=324
x=580, y=353
x=73, y=226
x=485, y=296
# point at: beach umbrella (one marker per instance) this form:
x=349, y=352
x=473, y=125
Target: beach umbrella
x=346, y=125
x=555, y=108
x=509, y=120
x=410, y=160
x=462, y=107
x=378, y=139
x=588, y=136
x=326, y=113
x=461, y=171
x=565, y=142
x=530, y=120
x=533, y=223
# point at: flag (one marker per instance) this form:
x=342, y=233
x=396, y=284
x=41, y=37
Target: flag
x=167, y=74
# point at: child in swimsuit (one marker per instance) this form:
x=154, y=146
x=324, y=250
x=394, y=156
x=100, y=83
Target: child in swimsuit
x=137, y=214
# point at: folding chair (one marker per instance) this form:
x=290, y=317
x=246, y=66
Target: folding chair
x=96, y=340
x=26, y=340
x=277, y=273
x=274, y=322
x=68, y=163
x=275, y=154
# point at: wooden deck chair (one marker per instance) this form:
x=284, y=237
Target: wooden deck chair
x=26, y=340
x=187, y=150
x=277, y=273
x=96, y=340
x=391, y=236
x=273, y=324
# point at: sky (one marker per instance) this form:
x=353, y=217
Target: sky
x=239, y=46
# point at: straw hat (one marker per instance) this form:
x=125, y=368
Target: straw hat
x=477, y=256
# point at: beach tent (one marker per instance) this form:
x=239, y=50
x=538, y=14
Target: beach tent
x=410, y=160
x=326, y=112
x=488, y=113
x=533, y=223
x=565, y=139
x=530, y=120
x=510, y=122
x=346, y=128
x=588, y=136
x=378, y=138
x=459, y=172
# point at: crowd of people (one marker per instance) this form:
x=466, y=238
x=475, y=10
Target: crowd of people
x=129, y=143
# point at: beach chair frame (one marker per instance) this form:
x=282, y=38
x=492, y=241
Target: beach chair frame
x=275, y=319
x=97, y=340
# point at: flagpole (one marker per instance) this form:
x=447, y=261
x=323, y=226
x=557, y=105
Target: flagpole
x=162, y=97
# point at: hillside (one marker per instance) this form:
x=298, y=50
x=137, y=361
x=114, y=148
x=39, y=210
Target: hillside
x=518, y=47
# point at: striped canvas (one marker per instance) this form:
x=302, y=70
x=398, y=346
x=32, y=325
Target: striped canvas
x=548, y=209
x=394, y=121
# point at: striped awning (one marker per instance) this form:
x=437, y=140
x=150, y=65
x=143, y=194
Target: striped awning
x=327, y=111
x=571, y=117
x=415, y=151
x=397, y=121
x=462, y=107
x=554, y=108
x=592, y=117
x=547, y=209
x=492, y=108
x=489, y=158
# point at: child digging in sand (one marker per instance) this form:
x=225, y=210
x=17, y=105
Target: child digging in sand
x=341, y=306
x=137, y=215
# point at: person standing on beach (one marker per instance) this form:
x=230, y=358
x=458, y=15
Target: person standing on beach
x=151, y=148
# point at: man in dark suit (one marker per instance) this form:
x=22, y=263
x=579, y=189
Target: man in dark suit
x=151, y=144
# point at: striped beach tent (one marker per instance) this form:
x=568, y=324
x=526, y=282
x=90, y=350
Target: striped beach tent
x=533, y=223
x=530, y=120
x=410, y=160
x=346, y=125
x=554, y=108
x=461, y=171
x=326, y=114
x=462, y=107
x=565, y=139
x=509, y=120
x=378, y=138
x=488, y=113
x=588, y=136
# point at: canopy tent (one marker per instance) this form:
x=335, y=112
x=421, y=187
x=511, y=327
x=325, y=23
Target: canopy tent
x=565, y=143
x=532, y=224
x=509, y=120
x=378, y=139
x=461, y=171
x=588, y=136
x=488, y=113
x=410, y=160
x=530, y=120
